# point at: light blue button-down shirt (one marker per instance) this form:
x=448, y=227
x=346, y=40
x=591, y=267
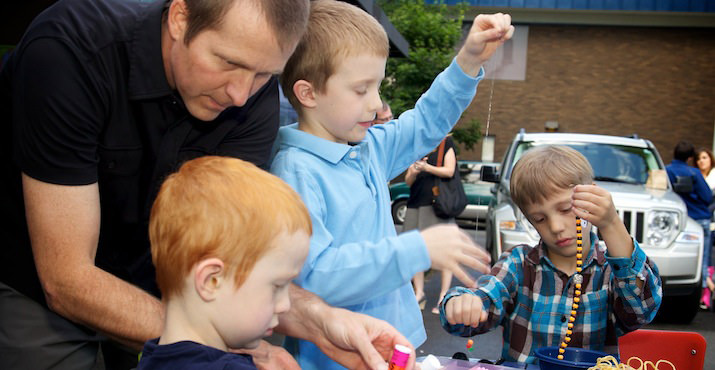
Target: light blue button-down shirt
x=356, y=259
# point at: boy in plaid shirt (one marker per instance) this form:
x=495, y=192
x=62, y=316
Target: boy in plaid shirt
x=530, y=290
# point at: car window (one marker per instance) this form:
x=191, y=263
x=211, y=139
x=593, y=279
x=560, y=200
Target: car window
x=610, y=162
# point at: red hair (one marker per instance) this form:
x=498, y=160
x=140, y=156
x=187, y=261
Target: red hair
x=219, y=207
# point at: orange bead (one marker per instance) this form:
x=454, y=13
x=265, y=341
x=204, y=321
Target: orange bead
x=573, y=313
x=569, y=332
x=579, y=255
x=570, y=325
x=577, y=299
x=572, y=319
x=561, y=350
x=567, y=339
x=575, y=306
x=560, y=357
x=577, y=292
x=578, y=286
x=578, y=269
x=564, y=345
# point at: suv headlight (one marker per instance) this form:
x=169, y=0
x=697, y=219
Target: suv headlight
x=662, y=227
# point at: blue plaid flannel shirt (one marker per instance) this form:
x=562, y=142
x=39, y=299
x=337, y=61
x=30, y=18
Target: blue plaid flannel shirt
x=532, y=300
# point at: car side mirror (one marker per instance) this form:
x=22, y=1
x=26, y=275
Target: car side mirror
x=683, y=184
x=489, y=174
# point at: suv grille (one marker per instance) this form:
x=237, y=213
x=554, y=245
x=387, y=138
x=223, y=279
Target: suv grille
x=635, y=224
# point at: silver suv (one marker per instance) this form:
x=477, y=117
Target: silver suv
x=656, y=217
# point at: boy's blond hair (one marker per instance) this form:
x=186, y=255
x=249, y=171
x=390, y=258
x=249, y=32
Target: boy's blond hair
x=219, y=207
x=545, y=169
x=336, y=30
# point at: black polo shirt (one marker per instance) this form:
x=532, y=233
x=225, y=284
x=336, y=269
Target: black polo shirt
x=84, y=99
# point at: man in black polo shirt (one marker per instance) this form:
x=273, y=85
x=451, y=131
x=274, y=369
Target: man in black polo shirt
x=101, y=100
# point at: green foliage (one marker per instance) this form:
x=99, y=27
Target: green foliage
x=433, y=31
x=468, y=134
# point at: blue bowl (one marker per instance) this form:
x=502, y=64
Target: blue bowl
x=574, y=358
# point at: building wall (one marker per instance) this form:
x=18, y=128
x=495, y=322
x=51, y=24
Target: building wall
x=656, y=82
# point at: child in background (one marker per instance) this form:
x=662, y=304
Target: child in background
x=340, y=164
x=227, y=238
x=531, y=290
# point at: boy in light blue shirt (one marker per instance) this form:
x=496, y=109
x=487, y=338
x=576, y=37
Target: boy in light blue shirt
x=340, y=164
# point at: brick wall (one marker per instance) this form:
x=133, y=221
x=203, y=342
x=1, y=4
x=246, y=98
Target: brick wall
x=656, y=82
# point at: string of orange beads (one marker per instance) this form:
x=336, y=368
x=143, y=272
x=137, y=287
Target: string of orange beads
x=578, y=280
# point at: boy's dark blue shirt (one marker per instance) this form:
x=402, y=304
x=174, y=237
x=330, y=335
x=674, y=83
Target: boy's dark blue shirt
x=190, y=355
x=698, y=200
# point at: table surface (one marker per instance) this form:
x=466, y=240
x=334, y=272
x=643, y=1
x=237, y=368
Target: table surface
x=450, y=364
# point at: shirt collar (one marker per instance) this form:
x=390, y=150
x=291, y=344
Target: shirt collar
x=538, y=253
x=147, y=78
x=290, y=136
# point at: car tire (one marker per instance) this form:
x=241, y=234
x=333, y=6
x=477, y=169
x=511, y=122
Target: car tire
x=490, y=244
x=399, y=210
x=680, y=309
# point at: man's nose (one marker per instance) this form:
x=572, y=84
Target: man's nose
x=239, y=88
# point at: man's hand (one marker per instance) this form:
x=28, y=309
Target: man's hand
x=449, y=248
x=269, y=357
x=487, y=33
x=466, y=309
x=354, y=340
x=359, y=341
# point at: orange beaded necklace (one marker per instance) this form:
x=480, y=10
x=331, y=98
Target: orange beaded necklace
x=578, y=279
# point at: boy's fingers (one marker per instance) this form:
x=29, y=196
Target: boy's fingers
x=450, y=312
x=509, y=34
x=472, y=313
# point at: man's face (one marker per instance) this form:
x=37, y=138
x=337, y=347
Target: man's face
x=225, y=66
x=555, y=221
x=347, y=106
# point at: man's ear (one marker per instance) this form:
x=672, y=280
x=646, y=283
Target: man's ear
x=209, y=274
x=177, y=20
x=305, y=93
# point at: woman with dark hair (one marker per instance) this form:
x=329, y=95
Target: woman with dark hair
x=705, y=161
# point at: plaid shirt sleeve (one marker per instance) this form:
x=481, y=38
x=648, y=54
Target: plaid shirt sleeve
x=498, y=292
x=633, y=306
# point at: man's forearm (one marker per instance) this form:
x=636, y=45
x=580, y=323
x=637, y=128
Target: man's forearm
x=99, y=300
x=304, y=317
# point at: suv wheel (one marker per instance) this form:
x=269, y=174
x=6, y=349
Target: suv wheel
x=399, y=210
x=492, y=244
x=680, y=309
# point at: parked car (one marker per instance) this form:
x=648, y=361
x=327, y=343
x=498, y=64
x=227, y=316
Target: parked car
x=656, y=217
x=478, y=195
